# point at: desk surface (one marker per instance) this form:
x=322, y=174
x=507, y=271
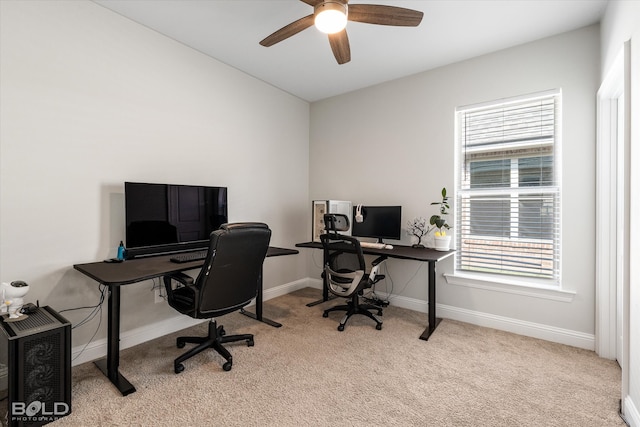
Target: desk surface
x=398, y=251
x=139, y=269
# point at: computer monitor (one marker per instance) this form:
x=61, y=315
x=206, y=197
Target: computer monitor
x=380, y=222
x=165, y=218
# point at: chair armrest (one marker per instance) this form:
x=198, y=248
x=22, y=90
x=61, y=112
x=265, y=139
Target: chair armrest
x=378, y=260
x=374, y=277
x=180, y=277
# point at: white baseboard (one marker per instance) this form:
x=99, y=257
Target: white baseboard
x=632, y=416
x=520, y=327
x=287, y=288
x=98, y=349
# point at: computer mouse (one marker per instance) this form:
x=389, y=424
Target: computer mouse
x=29, y=308
x=388, y=246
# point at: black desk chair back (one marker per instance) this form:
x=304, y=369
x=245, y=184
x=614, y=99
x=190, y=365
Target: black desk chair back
x=344, y=270
x=227, y=282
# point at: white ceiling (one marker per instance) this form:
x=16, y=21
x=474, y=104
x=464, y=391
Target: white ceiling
x=303, y=65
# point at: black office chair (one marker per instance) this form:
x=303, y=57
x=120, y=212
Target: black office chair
x=344, y=270
x=227, y=282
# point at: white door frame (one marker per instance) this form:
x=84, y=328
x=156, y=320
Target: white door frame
x=612, y=196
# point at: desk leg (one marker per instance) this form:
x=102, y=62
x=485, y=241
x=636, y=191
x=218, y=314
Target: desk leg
x=433, y=320
x=325, y=293
x=109, y=366
x=258, y=316
x=320, y=301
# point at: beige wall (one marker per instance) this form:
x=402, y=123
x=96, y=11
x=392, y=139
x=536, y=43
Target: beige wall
x=89, y=100
x=394, y=144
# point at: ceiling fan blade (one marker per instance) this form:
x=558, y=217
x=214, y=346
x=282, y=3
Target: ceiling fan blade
x=384, y=15
x=288, y=31
x=312, y=2
x=340, y=46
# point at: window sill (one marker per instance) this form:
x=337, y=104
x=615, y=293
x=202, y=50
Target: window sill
x=511, y=287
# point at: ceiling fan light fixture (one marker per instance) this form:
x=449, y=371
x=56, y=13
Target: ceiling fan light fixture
x=330, y=16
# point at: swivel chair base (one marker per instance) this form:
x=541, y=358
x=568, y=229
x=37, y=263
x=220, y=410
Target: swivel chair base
x=214, y=340
x=354, y=307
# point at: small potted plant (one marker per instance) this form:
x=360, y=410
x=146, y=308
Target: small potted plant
x=441, y=239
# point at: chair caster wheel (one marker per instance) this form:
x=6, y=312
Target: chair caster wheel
x=341, y=328
x=179, y=367
x=222, y=332
x=227, y=366
x=379, y=326
x=379, y=312
x=250, y=343
x=325, y=314
x=180, y=344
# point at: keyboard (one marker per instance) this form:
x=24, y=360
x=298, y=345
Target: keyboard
x=188, y=257
x=373, y=245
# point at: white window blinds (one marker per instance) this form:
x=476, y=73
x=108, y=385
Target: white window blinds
x=508, y=195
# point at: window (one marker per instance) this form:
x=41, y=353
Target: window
x=508, y=194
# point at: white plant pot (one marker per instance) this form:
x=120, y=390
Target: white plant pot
x=442, y=242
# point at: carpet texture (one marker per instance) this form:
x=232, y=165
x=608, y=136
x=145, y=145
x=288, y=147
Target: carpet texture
x=307, y=373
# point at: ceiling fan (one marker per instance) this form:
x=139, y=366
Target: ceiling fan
x=331, y=16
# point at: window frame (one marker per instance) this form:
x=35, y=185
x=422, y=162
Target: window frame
x=548, y=287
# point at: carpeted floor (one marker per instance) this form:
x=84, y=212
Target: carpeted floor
x=307, y=373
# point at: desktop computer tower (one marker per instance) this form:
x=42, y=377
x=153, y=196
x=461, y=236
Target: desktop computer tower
x=321, y=207
x=35, y=368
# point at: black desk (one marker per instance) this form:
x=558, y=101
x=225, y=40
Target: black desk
x=428, y=255
x=115, y=275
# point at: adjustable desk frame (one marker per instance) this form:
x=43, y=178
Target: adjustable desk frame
x=431, y=256
x=114, y=275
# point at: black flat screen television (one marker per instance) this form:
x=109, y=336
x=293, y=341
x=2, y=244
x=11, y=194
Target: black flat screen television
x=167, y=218
x=380, y=222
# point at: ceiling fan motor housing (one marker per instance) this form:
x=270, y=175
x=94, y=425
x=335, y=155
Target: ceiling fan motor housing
x=330, y=16
x=337, y=5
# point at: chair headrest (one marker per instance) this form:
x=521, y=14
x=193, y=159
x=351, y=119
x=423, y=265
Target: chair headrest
x=242, y=225
x=336, y=222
